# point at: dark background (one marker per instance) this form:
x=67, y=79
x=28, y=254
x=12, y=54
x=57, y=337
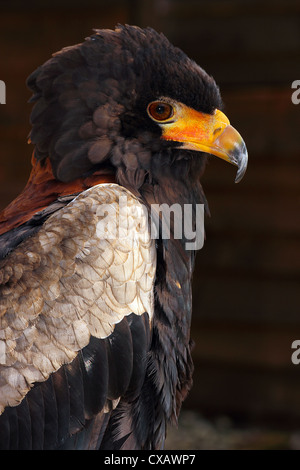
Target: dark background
x=246, y=284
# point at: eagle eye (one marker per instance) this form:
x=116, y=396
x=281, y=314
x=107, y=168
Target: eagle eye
x=160, y=111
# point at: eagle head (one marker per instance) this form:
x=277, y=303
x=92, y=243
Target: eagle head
x=131, y=103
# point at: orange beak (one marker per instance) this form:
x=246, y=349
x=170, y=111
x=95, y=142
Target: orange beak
x=207, y=133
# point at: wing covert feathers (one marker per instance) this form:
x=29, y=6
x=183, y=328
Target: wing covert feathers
x=91, y=263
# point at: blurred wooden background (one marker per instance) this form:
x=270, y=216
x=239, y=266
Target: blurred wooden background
x=246, y=285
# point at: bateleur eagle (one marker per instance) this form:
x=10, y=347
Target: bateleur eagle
x=95, y=349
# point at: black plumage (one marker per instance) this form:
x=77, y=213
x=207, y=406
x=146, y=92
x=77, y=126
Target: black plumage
x=90, y=120
x=96, y=96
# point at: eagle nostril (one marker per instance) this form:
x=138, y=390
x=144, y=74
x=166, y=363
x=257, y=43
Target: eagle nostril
x=216, y=131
